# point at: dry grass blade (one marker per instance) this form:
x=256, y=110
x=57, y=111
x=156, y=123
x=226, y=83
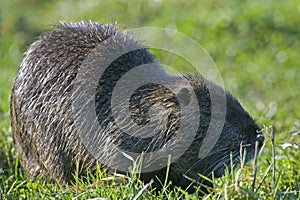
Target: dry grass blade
x=255, y=165
x=143, y=189
x=264, y=177
x=273, y=155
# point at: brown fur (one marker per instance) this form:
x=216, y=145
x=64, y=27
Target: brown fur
x=45, y=136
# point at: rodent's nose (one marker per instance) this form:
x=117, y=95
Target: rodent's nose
x=260, y=138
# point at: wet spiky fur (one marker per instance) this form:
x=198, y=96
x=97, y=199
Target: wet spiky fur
x=46, y=138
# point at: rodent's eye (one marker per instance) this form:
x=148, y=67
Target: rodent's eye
x=184, y=96
x=260, y=138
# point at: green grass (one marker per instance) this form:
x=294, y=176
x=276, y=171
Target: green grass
x=255, y=45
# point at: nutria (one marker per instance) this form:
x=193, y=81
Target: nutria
x=53, y=133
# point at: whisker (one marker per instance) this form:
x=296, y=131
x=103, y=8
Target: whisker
x=210, y=154
x=224, y=161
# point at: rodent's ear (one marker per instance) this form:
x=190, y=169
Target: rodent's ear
x=184, y=96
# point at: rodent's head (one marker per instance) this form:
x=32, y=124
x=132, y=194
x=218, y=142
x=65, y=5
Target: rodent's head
x=234, y=144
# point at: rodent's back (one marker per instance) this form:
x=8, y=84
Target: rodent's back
x=42, y=121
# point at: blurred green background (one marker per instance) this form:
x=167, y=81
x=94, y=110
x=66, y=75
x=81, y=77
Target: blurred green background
x=255, y=44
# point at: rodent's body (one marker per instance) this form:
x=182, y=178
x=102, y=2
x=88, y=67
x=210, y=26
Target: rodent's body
x=46, y=137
